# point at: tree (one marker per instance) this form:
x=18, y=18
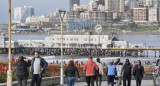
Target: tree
x=133, y=26
x=123, y=27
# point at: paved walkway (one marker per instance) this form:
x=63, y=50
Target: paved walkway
x=133, y=83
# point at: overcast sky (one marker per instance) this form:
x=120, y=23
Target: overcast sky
x=40, y=6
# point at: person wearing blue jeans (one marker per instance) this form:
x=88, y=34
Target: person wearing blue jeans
x=111, y=73
x=71, y=81
x=71, y=72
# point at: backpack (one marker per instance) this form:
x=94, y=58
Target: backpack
x=96, y=72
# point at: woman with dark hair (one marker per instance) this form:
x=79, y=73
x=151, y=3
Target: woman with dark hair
x=70, y=72
x=138, y=72
x=22, y=72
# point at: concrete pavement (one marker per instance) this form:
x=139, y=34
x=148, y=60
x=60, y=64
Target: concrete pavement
x=133, y=83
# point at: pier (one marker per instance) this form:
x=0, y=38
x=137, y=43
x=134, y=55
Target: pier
x=115, y=52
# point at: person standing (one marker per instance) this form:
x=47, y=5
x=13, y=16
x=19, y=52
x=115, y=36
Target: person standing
x=101, y=73
x=111, y=73
x=127, y=69
x=90, y=67
x=119, y=67
x=22, y=72
x=71, y=72
x=38, y=65
x=138, y=72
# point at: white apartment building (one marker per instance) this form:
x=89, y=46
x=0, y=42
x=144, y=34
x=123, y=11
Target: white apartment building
x=21, y=13
x=92, y=5
x=114, y=5
x=101, y=7
x=35, y=19
x=153, y=14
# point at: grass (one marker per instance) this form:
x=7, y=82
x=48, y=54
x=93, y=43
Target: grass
x=125, y=27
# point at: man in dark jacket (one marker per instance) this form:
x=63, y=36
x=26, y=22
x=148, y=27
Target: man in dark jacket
x=38, y=66
x=127, y=69
x=22, y=72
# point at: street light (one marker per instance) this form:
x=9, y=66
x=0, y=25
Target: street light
x=9, y=72
x=61, y=16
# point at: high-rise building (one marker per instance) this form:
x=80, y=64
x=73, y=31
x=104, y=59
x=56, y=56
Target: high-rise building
x=153, y=14
x=72, y=2
x=140, y=15
x=114, y=5
x=102, y=2
x=100, y=17
x=21, y=13
x=92, y=5
x=149, y=2
x=133, y=4
x=153, y=3
x=156, y=3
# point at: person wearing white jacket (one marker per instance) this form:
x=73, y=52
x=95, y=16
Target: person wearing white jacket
x=119, y=67
x=101, y=73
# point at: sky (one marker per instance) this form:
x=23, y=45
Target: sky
x=40, y=7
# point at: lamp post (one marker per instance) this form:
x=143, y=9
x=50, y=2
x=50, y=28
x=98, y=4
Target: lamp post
x=61, y=15
x=9, y=72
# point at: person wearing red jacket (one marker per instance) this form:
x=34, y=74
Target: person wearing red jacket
x=90, y=67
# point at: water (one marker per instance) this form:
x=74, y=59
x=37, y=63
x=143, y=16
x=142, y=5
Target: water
x=28, y=37
x=149, y=40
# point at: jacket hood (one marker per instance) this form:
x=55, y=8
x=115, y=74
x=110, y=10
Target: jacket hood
x=90, y=62
x=98, y=63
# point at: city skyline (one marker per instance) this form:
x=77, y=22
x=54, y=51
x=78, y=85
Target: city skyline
x=36, y=4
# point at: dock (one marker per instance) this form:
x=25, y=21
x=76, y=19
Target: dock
x=116, y=52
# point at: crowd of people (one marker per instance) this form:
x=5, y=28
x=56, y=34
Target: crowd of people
x=115, y=71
